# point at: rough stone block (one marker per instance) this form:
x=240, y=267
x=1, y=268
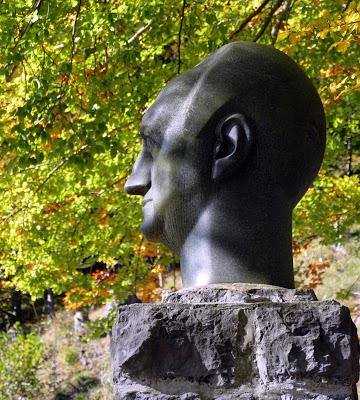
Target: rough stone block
x=238, y=293
x=253, y=350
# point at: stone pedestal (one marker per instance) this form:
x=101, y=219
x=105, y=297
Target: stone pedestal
x=247, y=342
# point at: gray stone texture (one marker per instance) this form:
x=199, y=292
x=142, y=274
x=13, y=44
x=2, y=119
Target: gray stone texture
x=235, y=342
x=238, y=293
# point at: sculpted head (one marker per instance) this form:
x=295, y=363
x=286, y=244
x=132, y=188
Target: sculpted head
x=229, y=148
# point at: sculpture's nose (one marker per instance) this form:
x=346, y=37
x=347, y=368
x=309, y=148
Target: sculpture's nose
x=139, y=182
x=136, y=185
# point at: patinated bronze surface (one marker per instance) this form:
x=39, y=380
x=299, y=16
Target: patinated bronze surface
x=229, y=148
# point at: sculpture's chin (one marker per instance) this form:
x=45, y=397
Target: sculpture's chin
x=151, y=231
x=155, y=233
x=151, y=227
x=159, y=229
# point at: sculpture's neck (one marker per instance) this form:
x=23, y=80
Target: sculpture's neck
x=239, y=246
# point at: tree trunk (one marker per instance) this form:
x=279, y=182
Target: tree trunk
x=49, y=308
x=16, y=298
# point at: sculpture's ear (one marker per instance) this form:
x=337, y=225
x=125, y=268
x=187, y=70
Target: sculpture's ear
x=234, y=140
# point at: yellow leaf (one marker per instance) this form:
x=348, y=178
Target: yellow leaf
x=352, y=17
x=289, y=50
x=323, y=33
x=343, y=46
x=342, y=82
x=332, y=46
x=321, y=23
x=332, y=88
x=294, y=38
x=352, y=6
x=282, y=35
x=343, y=29
x=325, y=13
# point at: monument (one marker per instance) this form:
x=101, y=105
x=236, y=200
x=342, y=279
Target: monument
x=229, y=148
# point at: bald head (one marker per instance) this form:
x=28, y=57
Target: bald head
x=270, y=90
x=229, y=148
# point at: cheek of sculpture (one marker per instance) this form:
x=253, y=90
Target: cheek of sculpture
x=158, y=203
x=166, y=204
x=180, y=173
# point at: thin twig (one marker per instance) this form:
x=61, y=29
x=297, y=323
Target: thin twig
x=349, y=289
x=48, y=54
x=31, y=167
x=73, y=34
x=48, y=11
x=25, y=76
x=345, y=23
x=38, y=4
x=179, y=35
x=249, y=18
x=283, y=17
x=12, y=73
x=140, y=31
x=37, y=7
x=267, y=20
x=7, y=313
x=347, y=5
x=52, y=172
x=41, y=186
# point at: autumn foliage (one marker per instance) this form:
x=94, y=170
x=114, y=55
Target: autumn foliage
x=76, y=78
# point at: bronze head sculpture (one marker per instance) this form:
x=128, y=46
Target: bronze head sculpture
x=229, y=149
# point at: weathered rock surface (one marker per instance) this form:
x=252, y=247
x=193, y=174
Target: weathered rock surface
x=238, y=293
x=251, y=344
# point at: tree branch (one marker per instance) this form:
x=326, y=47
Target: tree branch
x=12, y=73
x=249, y=18
x=268, y=20
x=42, y=184
x=345, y=23
x=30, y=168
x=73, y=33
x=140, y=31
x=346, y=5
x=63, y=162
x=7, y=313
x=37, y=7
x=179, y=35
x=283, y=17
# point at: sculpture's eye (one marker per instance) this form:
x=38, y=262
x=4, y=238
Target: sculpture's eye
x=150, y=144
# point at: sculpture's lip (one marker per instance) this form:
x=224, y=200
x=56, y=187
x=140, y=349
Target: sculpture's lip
x=145, y=201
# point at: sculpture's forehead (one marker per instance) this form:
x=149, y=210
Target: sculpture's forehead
x=159, y=116
x=183, y=108
x=186, y=104
x=169, y=114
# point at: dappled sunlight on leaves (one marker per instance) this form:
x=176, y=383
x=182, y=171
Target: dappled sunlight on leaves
x=76, y=78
